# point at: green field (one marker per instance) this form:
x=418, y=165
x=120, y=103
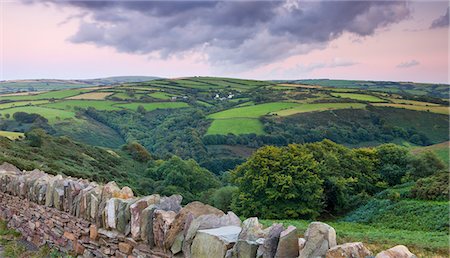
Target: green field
x=153, y=106
x=236, y=126
x=433, y=109
x=376, y=238
x=71, y=104
x=160, y=95
x=12, y=135
x=125, y=96
x=51, y=114
x=356, y=96
x=22, y=103
x=303, y=108
x=441, y=149
x=253, y=111
x=47, y=95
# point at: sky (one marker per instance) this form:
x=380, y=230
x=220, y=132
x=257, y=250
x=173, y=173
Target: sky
x=289, y=39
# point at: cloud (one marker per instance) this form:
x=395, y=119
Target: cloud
x=244, y=34
x=408, y=64
x=442, y=21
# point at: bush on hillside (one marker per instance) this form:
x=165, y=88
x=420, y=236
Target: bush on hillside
x=435, y=187
x=138, y=152
x=426, y=164
x=394, y=162
x=222, y=197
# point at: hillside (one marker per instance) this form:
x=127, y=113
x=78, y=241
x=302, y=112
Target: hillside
x=37, y=85
x=213, y=119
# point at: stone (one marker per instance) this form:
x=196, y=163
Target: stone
x=69, y=235
x=301, y=243
x=319, y=238
x=147, y=224
x=124, y=193
x=125, y=248
x=215, y=242
x=161, y=223
x=251, y=229
x=93, y=233
x=269, y=246
x=78, y=248
x=124, y=216
x=245, y=249
x=195, y=209
x=177, y=244
x=354, y=250
x=171, y=203
x=206, y=222
x=288, y=244
x=399, y=251
x=135, y=222
x=110, y=213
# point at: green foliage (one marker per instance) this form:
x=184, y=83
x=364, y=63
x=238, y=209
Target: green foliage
x=223, y=197
x=394, y=162
x=404, y=214
x=301, y=181
x=138, y=152
x=435, y=187
x=185, y=177
x=281, y=176
x=426, y=164
x=35, y=137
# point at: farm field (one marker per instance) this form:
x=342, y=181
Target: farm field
x=356, y=96
x=51, y=114
x=72, y=104
x=152, y=106
x=236, y=126
x=160, y=95
x=12, y=135
x=253, y=111
x=22, y=103
x=47, y=95
x=433, y=109
x=304, y=108
x=92, y=95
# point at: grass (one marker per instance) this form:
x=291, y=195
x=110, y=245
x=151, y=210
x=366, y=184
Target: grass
x=71, y=104
x=160, y=95
x=51, y=114
x=433, y=109
x=12, y=135
x=92, y=95
x=412, y=102
x=125, y=96
x=236, y=126
x=153, y=105
x=356, y=96
x=22, y=103
x=377, y=239
x=304, y=108
x=47, y=95
x=253, y=111
x=441, y=149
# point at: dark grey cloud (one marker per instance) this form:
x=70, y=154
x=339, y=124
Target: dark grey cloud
x=442, y=21
x=238, y=33
x=408, y=64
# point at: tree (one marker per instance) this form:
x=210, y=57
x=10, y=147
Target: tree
x=394, y=162
x=222, y=197
x=35, y=137
x=426, y=164
x=138, y=152
x=278, y=183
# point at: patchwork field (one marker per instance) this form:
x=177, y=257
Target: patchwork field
x=47, y=95
x=160, y=95
x=303, y=108
x=92, y=95
x=12, y=135
x=51, y=114
x=236, y=126
x=72, y=104
x=253, y=111
x=356, y=96
x=22, y=103
x=153, y=106
x=433, y=109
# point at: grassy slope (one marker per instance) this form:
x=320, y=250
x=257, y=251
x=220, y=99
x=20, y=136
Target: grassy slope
x=303, y=108
x=441, y=149
x=236, y=126
x=253, y=111
x=11, y=135
x=51, y=114
x=433, y=109
x=22, y=103
x=47, y=95
x=71, y=104
x=153, y=106
x=356, y=96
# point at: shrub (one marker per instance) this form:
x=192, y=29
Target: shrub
x=435, y=187
x=138, y=152
x=222, y=197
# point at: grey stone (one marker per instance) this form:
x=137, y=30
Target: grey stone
x=288, y=244
x=214, y=242
x=319, y=238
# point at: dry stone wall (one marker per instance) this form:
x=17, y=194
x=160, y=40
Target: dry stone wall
x=92, y=220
